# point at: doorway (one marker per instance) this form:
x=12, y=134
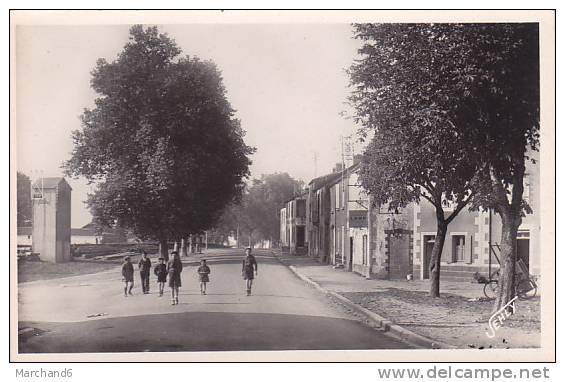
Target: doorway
x=457, y=248
x=399, y=259
x=300, y=232
x=429, y=241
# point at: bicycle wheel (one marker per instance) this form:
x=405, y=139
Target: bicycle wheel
x=526, y=289
x=490, y=289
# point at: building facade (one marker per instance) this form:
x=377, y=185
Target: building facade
x=348, y=217
x=390, y=242
x=318, y=208
x=357, y=209
x=296, y=225
x=283, y=231
x=344, y=228
x=473, y=237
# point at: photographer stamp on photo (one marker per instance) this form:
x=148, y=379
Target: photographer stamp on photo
x=44, y=373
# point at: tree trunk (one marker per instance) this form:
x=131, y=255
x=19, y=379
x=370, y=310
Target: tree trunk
x=164, y=249
x=237, y=237
x=511, y=220
x=183, y=251
x=435, y=260
x=176, y=246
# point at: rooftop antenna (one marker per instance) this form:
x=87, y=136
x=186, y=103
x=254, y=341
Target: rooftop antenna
x=315, y=164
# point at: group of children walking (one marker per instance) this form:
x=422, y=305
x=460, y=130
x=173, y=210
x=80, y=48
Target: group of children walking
x=172, y=271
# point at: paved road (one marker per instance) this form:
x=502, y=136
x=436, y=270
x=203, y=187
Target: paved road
x=282, y=314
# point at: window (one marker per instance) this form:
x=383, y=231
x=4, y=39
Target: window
x=458, y=248
x=301, y=208
x=337, y=196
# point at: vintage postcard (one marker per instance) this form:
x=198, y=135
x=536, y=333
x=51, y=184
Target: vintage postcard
x=282, y=186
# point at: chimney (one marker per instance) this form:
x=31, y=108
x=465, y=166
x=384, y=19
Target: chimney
x=338, y=167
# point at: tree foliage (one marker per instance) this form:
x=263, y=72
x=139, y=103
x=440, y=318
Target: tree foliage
x=402, y=94
x=161, y=143
x=257, y=212
x=504, y=88
x=455, y=110
x=24, y=212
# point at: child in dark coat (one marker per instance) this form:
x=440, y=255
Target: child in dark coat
x=249, y=265
x=203, y=272
x=160, y=271
x=127, y=276
x=174, y=269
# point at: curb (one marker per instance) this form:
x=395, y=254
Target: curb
x=385, y=324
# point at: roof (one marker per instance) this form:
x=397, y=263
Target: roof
x=83, y=232
x=27, y=231
x=332, y=178
x=301, y=196
x=52, y=182
x=321, y=181
x=90, y=225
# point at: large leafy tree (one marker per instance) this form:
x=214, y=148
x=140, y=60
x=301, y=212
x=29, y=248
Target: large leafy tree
x=503, y=102
x=231, y=221
x=459, y=102
x=161, y=143
x=399, y=169
x=264, y=200
x=256, y=214
x=400, y=93
x=24, y=200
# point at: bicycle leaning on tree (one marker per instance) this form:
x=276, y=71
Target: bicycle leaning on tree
x=525, y=284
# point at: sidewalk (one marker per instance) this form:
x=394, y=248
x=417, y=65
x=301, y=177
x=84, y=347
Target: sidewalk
x=458, y=318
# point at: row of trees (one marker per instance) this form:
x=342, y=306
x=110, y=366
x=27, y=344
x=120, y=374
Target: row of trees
x=256, y=215
x=451, y=111
x=161, y=144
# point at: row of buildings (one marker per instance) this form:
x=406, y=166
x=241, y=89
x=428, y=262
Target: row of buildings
x=334, y=221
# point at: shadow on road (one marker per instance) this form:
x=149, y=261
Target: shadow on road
x=228, y=260
x=241, y=294
x=205, y=331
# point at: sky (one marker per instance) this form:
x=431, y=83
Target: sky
x=287, y=82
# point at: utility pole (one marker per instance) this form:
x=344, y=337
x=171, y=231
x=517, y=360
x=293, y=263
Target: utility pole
x=342, y=249
x=347, y=160
x=315, y=164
